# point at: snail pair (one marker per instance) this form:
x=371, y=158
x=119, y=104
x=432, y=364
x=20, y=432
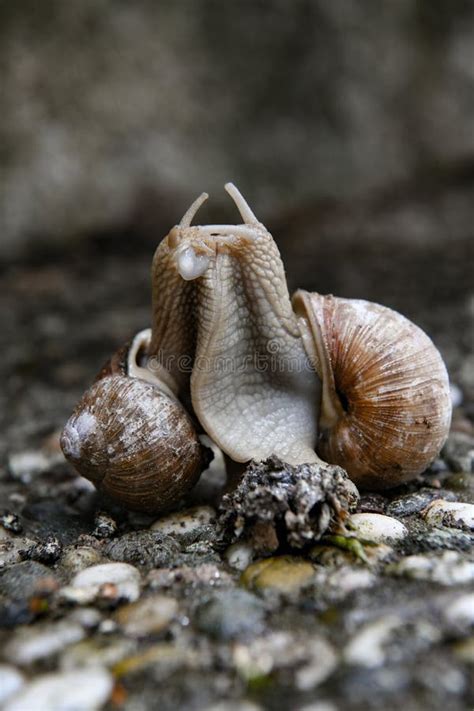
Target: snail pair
x=232, y=356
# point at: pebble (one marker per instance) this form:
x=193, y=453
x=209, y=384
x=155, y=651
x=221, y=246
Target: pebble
x=312, y=659
x=458, y=452
x=447, y=568
x=444, y=539
x=149, y=616
x=334, y=557
x=28, y=645
x=229, y=614
x=461, y=611
x=322, y=662
x=283, y=574
x=99, y=651
x=12, y=549
x=76, y=558
x=232, y=706
x=11, y=681
x=88, y=617
x=372, y=503
x=147, y=548
x=414, y=503
x=92, y=582
x=79, y=690
x=343, y=581
x=23, y=580
x=460, y=481
x=204, y=574
x=105, y=525
x=239, y=555
x=24, y=466
x=377, y=528
x=450, y=514
x=47, y=551
x=366, y=648
x=387, y=639
x=11, y=522
x=187, y=526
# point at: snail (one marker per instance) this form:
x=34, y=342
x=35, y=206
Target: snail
x=309, y=379
x=132, y=438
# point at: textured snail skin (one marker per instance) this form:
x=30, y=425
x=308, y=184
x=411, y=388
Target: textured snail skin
x=249, y=383
x=386, y=406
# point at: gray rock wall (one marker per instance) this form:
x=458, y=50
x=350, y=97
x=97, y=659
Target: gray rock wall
x=111, y=106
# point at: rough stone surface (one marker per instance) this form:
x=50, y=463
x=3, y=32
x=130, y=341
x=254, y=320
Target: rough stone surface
x=275, y=503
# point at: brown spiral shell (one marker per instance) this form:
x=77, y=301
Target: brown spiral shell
x=135, y=442
x=386, y=406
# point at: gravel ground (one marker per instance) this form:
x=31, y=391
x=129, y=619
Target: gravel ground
x=100, y=608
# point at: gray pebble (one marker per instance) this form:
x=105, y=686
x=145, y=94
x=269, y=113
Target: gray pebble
x=414, y=503
x=21, y=581
x=230, y=614
x=146, y=548
x=458, y=452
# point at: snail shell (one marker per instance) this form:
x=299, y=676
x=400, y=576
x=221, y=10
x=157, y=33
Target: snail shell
x=132, y=438
x=386, y=407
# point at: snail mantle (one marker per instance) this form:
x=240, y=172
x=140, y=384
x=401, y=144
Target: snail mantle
x=310, y=380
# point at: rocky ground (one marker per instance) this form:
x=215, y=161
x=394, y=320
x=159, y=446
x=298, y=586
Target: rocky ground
x=100, y=608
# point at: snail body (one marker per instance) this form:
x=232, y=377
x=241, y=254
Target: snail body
x=221, y=301
x=313, y=379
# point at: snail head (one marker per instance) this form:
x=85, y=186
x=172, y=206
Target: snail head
x=195, y=247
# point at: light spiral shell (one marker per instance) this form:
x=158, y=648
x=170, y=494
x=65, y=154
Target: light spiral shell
x=386, y=406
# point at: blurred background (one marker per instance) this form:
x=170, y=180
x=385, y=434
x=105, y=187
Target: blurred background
x=349, y=127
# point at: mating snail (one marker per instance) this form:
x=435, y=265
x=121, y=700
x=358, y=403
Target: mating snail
x=353, y=383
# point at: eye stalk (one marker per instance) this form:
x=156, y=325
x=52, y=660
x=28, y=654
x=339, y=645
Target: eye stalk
x=194, y=246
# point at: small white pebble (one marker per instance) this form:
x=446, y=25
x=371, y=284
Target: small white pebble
x=377, y=528
x=29, y=645
x=461, y=611
x=87, y=584
x=184, y=522
x=239, y=555
x=79, y=690
x=366, y=647
x=452, y=514
x=11, y=681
